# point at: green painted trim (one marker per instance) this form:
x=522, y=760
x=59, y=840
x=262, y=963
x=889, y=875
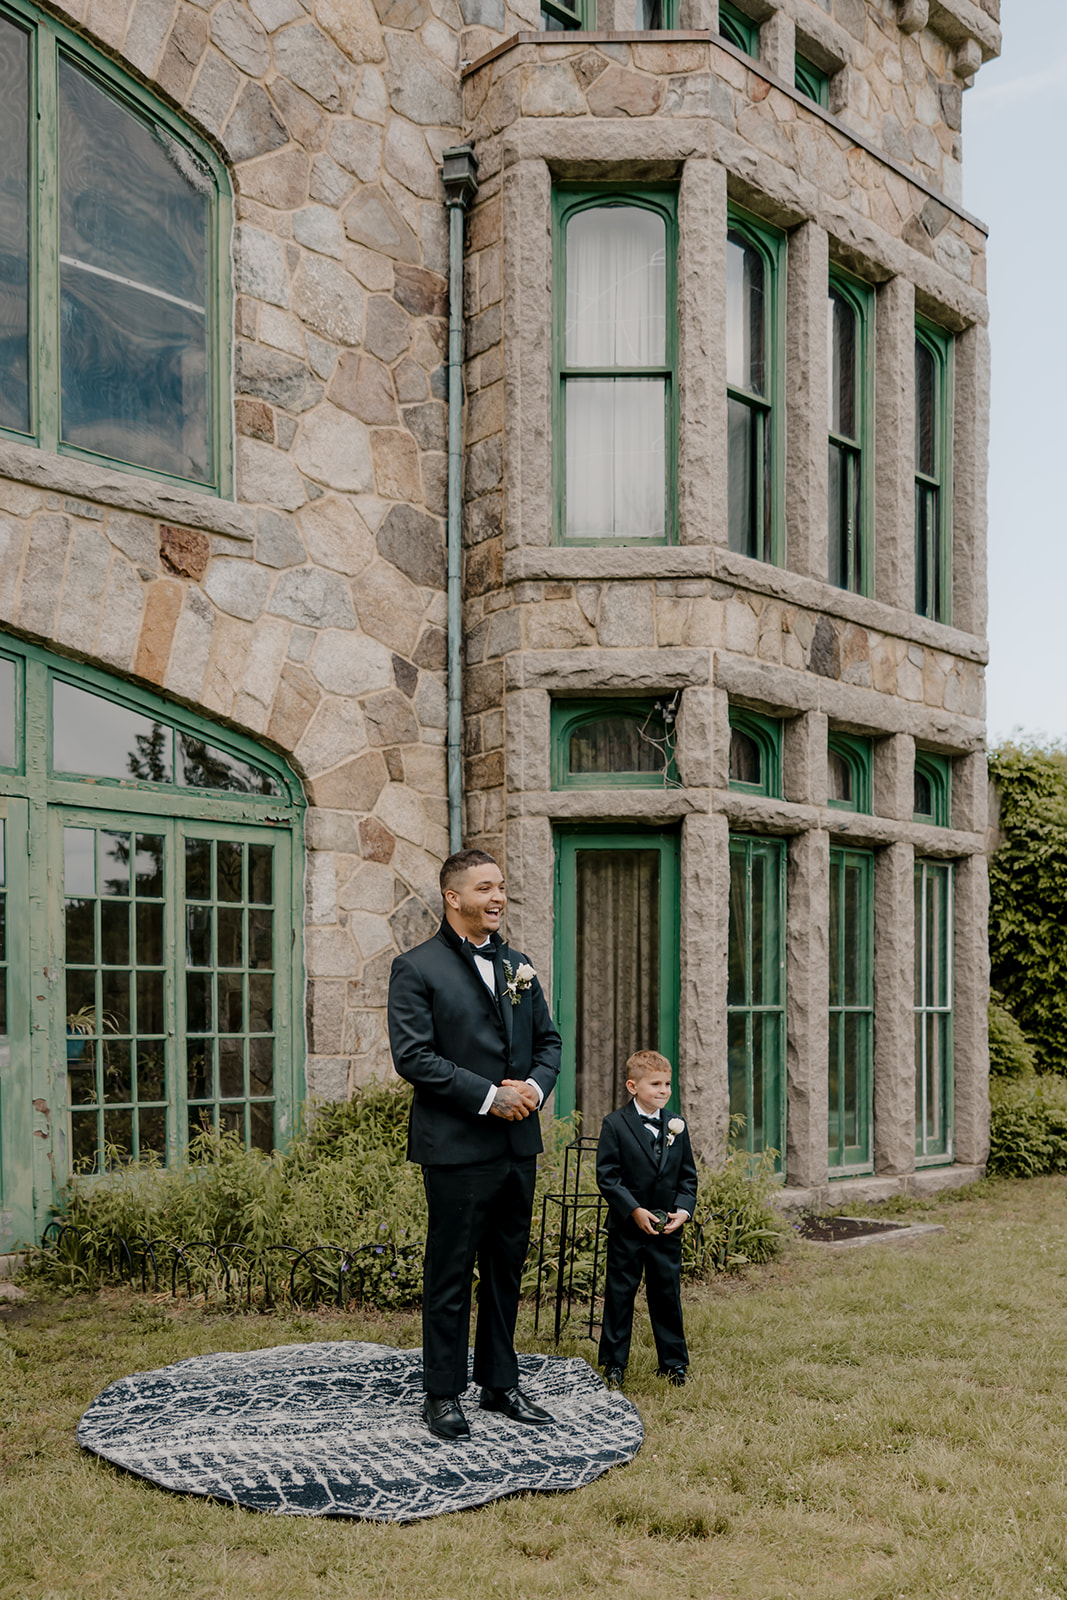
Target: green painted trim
x=767, y=734
x=811, y=80
x=568, y=841
x=860, y=296
x=858, y=754
x=856, y=939
x=771, y=244
x=941, y=346
x=18, y=1225
x=931, y=1151
x=567, y=201
x=50, y=38
x=739, y=29
x=568, y=715
x=580, y=18
x=772, y=924
x=938, y=772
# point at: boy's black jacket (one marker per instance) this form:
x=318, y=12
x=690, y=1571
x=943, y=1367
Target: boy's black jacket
x=630, y=1172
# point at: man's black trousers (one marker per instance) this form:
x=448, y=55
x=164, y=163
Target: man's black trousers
x=629, y=1252
x=480, y=1212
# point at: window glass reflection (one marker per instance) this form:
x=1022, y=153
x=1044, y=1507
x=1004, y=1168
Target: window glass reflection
x=14, y=228
x=94, y=736
x=204, y=766
x=745, y=316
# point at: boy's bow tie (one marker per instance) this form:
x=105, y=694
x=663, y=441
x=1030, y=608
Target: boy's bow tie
x=652, y=1122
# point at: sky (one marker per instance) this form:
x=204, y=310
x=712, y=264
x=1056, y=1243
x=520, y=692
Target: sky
x=1014, y=179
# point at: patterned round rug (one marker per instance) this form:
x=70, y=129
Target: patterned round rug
x=333, y=1430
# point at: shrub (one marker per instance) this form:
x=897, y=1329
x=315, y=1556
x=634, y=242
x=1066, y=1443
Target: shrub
x=1011, y=1055
x=1027, y=1126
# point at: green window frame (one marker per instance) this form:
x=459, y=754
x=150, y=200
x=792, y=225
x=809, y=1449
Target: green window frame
x=739, y=29
x=934, y=352
x=574, y=925
x=656, y=15
x=755, y=372
x=756, y=994
x=933, y=1013
x=849, y=773
x=558, y=17
x=851, y=1055
x=755, y=753
x=850, y=425
x=124, y=358
x=572, y=512
x=811, y=80
x=933, y=789
x=115, y=800
x=646, y=725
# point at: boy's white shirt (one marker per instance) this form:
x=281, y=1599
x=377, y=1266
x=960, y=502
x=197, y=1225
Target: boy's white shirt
x=654, y=1112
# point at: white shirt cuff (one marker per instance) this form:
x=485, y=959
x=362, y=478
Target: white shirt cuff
x=540, y=1092
x=487, y=1102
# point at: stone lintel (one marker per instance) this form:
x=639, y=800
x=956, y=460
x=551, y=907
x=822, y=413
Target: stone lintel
x=606, y=805
x=588, y=669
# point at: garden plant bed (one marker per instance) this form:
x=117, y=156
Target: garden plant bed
x=860, y=1230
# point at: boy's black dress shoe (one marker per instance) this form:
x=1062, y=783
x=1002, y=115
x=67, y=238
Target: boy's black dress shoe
x=514, y=1404
x=675, y=1375
x=613, y=1377
x=443, y=1415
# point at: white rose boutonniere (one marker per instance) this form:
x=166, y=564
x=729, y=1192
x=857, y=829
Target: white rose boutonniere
x=519, y=980
x=674, y=1127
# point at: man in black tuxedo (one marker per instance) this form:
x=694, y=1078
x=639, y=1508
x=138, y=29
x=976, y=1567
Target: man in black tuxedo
x=470, y=1029
x=646, y=1172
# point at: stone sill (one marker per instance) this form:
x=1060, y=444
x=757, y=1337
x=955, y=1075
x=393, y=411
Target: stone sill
x=872, y=1190
x=607, y=805
x=619, y=563
x=786, y=818
x=858, y=708
x=120, y=491
x=704, y=35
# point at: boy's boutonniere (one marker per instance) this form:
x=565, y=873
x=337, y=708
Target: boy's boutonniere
x=519, y=980
x=674, y=1127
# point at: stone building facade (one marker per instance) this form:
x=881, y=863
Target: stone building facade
x=223, y=586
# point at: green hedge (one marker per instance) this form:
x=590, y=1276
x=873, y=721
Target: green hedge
x=347, y=1181
x=1027, y=1126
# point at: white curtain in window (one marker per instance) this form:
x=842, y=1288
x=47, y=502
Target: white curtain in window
x=616, y=317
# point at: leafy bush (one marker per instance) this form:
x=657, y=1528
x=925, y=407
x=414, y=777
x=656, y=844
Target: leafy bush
x=345, y=1184
x=1011, y=1055
x=1027, y=1126
x=1028, y=893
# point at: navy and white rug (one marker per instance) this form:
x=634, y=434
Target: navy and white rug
x=333, y=1430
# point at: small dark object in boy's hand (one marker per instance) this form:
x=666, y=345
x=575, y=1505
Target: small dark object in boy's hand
x=660, y=1219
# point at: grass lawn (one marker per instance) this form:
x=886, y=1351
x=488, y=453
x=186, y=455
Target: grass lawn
x=871, y=1424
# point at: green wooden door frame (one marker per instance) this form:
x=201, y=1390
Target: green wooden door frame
x=568, y=842
x=851, y=1032
x=934, y=1075
x=16, y=1111
x=37, y=802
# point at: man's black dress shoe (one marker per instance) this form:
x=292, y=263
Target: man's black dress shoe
x=613, y=1377
x=443, y=1415
x=514, y=1404
x=675, y=1375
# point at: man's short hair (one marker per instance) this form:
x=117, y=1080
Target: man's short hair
x=457, y=865
x=643, y=1063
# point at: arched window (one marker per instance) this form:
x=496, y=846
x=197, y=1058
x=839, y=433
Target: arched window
x=114, y=236
x=933, y=472
x=754, y=255
x=613, y=744
x=153, y=865
x=849, y=416
x=738, y=28
x=933, y=788
x=755, y=753
x=848, y=772
x=615, y=398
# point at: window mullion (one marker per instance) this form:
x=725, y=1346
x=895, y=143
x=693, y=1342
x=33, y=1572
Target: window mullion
x=44, y=273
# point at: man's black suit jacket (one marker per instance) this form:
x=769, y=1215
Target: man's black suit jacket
x=630, y=1172
x=452, y=1040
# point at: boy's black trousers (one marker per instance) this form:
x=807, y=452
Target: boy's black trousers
x=630, y=1253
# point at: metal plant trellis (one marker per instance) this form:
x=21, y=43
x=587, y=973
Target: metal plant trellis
x=573, y=1203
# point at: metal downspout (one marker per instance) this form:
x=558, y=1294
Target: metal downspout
x=460, y=175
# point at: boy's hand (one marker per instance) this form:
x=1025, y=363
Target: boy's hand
x=646, y=1220
x=676, y=1220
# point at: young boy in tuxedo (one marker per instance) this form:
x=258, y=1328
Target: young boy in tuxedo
x=645, y=1169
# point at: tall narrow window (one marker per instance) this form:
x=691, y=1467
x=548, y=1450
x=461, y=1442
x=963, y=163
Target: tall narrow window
x=738, y=28
x=756, y=992
x=933, y=472
x=811, y=80
x=753, y=263
x=933, y=1011
x=851, y=1010
x=755, y=753
x=118, y=264
x=849, y=395
x=615, y=423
